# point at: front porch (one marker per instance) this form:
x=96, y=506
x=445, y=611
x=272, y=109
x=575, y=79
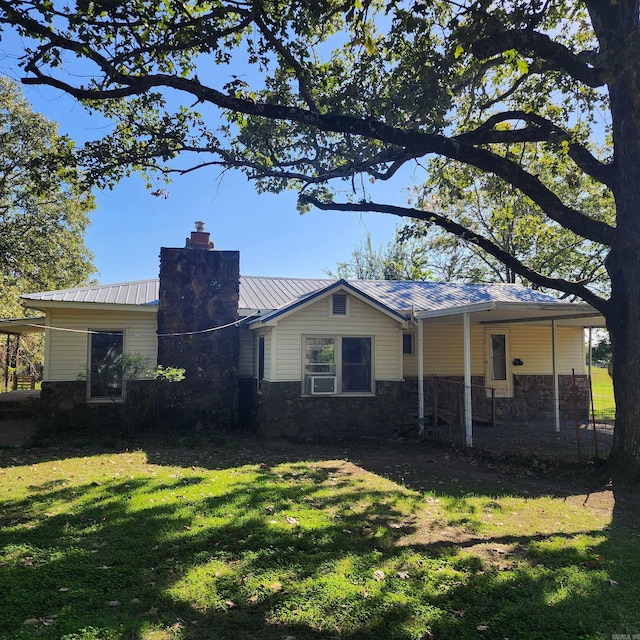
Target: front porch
x=504, y=383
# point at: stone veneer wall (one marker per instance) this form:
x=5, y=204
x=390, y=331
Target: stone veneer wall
x=199, y=289
x=248, y=404
x=532, y=398
x=63, y=397
x=283, y=412
x=64, y=406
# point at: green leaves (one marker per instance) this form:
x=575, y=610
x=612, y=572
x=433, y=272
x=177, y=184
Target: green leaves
x=491, y=208
x=43, y=204
x=324, y=95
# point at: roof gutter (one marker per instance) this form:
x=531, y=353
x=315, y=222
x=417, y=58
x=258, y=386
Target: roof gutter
x=43, y=305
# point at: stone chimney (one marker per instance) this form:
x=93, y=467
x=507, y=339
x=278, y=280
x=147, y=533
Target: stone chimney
x=198, y=306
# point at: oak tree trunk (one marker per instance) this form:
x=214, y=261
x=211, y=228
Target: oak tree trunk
x=617, y=28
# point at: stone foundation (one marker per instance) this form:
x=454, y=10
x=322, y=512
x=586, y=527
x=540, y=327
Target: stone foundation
x=63, y=397
x=64, y=407
x=249, y=402
x=532, y=398
x=283, y=412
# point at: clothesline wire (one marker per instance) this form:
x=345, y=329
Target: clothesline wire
x=115, y=333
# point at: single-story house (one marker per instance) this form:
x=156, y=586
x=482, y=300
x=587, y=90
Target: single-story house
x=311, y=358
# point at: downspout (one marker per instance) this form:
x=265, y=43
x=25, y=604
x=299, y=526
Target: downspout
x=420, y=347
x=556, y=389
x=468, y=417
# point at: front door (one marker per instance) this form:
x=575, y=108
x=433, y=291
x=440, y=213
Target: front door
x=497, y=363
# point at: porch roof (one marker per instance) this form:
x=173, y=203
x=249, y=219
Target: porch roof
x=574, y=314
x=22, y=326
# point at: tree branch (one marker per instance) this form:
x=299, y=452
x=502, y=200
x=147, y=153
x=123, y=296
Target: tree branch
x=542, y=130
x=301, y=74
x=414, y=142
x=395, y=160
x=540, y=45
x=572, y=288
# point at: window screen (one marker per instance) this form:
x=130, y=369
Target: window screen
x=356, y=364
x=105, y=375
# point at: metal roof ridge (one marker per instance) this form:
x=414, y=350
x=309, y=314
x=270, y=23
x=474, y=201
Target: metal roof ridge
x=288, y=278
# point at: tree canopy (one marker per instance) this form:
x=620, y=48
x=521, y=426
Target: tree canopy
x=43, y=211
x=399, y=259
x=485, y=204
x=330, y=96
x=43, y=206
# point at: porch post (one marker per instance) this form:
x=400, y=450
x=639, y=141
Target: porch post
x=556, y=390
x=468, y=418
x=420, y=348
x=6, y=364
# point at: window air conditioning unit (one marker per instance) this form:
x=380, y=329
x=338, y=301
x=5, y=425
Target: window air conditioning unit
x=320, y=385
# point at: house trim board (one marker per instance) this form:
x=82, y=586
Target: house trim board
x=341, y=285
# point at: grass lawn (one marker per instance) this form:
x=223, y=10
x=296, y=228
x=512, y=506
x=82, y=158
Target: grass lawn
x=271, y=540
x=603, y=401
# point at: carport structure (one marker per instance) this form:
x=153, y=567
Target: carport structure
x=495, y=318
x=13, y=330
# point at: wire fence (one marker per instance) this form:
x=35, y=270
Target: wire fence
x=522, y=419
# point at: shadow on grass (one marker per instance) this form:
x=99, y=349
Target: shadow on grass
x=292, y=550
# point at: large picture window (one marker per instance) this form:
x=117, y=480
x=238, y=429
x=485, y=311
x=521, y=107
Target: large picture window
x=335, y=365
x=105, y=364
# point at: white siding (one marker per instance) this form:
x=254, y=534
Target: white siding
x=532, y=344
x=268, y=359
x=316, y=319
x=67, y=351
x=246, y=366
x=443, y=349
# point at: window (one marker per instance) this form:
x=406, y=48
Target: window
x=356, y=365
x=339, y=304
x=498, y=357
x=335, y=365
x=407, y=344
x=321, y=356
x=105, y=364
x=498, y=380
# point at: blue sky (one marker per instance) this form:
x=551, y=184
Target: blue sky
x=129, y=225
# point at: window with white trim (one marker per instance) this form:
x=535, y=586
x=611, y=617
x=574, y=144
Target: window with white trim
x=498, y=378
x=105, y=378
x=407, y=344
x=335, y=365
